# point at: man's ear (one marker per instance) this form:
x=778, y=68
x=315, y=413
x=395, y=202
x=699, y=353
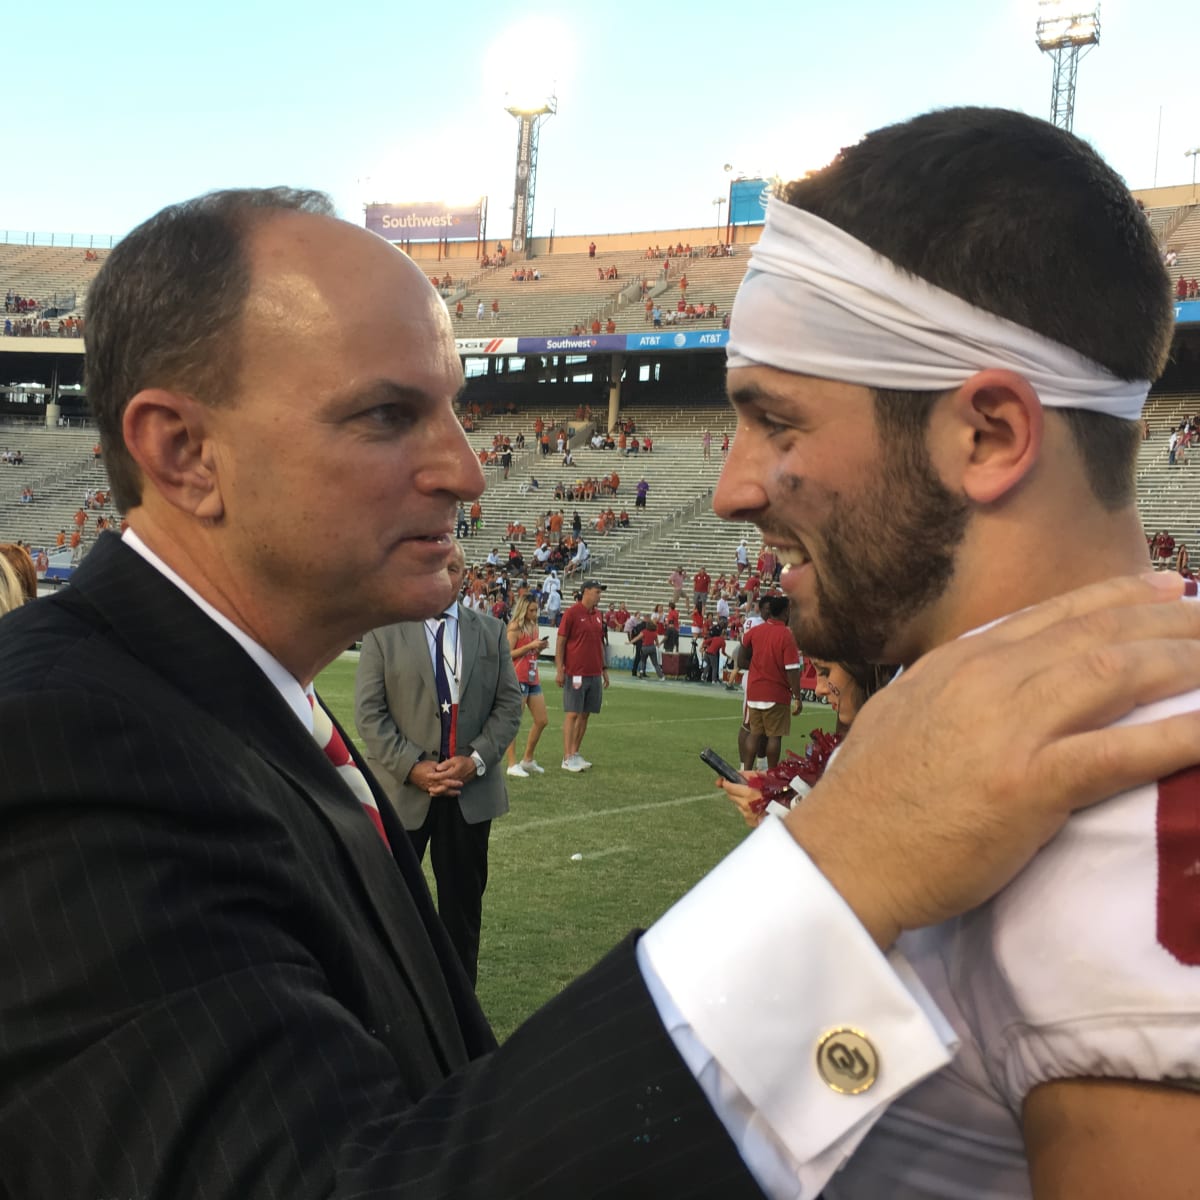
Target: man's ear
x=169, y=436
x=997, y=423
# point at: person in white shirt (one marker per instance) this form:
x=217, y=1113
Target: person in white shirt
x=949, y=443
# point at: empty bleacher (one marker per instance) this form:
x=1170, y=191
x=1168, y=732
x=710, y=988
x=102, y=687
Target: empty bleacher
x=570, y=292
x=60, y=468
x=42, y=272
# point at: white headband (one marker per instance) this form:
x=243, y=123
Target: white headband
x=816, y=301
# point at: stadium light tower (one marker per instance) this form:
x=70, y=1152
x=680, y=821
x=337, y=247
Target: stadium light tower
x=1066, y=34
x=529, y=121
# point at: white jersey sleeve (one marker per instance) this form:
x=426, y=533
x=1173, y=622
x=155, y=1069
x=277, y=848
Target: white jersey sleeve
x=1086, y=965
x=1089, y=964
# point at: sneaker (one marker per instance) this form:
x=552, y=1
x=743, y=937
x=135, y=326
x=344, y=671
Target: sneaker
x=518, y=772
x=581, y=762
x=531, y=767
x=572, y=764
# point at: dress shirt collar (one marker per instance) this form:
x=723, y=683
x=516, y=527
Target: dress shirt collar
x=286, y=684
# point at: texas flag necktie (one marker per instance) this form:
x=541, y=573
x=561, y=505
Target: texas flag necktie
x=447, y=693
x=328, y=738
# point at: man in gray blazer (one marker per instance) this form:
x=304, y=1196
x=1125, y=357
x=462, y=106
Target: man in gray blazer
x=437, y=755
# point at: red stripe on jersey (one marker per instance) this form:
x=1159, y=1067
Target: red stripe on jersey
x=1179, y=865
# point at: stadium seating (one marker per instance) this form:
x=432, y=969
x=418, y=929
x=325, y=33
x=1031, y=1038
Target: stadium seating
x=41, y=272
x=570, y=293
x=60, y=469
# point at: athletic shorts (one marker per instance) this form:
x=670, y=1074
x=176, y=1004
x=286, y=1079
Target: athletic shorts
x=775, y=721
x=531, y=689
x=585, y=698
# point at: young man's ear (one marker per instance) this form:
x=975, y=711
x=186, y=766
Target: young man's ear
x=995, y=437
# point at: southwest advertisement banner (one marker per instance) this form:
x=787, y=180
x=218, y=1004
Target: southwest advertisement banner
x=1187, y=312
x=424, y=222
x=601, y=343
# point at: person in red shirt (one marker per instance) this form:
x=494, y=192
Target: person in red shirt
x=61, y=540
x=700, y=585
x=580, y=670
x=648, y=642
x=610, y=326
x=595, y=324
x=647, y=444
x=714, y=647
x=771, y=658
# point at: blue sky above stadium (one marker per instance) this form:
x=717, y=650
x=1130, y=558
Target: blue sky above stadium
x=134, y=104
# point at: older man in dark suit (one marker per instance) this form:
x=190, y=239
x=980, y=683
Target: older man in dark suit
x=436, y=703
x=221, y=974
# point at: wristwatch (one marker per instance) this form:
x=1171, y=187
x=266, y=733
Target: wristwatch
x=480, y=765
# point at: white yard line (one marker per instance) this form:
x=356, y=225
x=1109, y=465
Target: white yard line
x=500, y=828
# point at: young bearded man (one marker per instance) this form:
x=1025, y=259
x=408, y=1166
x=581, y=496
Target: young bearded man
x=938, y=359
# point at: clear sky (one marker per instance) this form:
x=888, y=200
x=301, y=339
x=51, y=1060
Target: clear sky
x=128, y=105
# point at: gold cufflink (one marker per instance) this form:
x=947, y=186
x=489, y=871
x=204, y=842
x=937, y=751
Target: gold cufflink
x=846, y=1061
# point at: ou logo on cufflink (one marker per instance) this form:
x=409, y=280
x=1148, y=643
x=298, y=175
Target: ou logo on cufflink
x=847, y=1061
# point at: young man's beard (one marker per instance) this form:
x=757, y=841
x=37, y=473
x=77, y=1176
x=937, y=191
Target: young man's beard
x=888, y=553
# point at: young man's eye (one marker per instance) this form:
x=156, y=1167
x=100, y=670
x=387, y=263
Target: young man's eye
x=771, y=426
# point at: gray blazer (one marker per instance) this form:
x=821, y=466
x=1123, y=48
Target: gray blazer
x=395, y=709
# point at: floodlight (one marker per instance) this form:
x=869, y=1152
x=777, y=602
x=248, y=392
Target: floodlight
x=1061, y=24
x=1066, y=31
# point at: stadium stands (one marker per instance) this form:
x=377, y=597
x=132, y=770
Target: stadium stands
x=677, y=526
x=44, y=272
x=570, y=292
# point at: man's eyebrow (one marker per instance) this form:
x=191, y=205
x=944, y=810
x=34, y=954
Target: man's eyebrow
x=384, y=391
x=750, y=393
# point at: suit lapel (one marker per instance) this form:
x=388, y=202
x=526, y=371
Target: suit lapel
x=161, y=627
x=415, y=645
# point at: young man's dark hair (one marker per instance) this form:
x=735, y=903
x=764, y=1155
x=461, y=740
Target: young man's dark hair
x=165, y=308
x=1021, y=219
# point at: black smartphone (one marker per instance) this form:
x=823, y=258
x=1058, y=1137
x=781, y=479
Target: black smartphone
x=710, y=758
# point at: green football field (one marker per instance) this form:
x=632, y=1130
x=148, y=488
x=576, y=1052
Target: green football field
x=646, y=819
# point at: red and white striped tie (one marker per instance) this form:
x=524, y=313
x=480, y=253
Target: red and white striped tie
x=331, y=742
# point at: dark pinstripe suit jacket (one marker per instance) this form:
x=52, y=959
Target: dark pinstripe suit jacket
x=216, y=982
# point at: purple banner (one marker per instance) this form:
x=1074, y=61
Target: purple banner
x=423, y=222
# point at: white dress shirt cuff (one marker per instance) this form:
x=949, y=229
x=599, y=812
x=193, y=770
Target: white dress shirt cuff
x=748, y=972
